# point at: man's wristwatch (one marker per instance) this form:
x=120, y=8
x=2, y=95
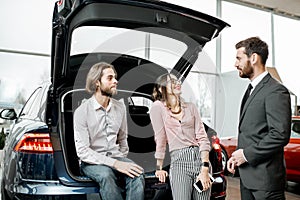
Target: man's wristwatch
x=158, y=167
x=205, y=164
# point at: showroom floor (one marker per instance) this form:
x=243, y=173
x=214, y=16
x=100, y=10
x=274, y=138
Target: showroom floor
x=233, y=192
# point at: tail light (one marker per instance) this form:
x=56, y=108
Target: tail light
x=35, y=143
x=60, y=2
x=215, y=141
x=216, y=155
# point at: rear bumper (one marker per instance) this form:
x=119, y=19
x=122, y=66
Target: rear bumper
x=52, y=190
x=55, y=190
x=58, y=197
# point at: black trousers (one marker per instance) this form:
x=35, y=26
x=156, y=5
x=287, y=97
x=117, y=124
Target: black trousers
x=248, y=194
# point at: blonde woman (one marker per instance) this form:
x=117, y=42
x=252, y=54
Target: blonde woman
x=178, y=124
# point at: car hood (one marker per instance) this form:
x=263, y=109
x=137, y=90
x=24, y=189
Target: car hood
x=193, y=28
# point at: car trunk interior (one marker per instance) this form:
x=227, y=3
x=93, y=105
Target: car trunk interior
x=72, y=97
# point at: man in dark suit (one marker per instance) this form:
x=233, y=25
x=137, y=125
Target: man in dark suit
x=264, y=126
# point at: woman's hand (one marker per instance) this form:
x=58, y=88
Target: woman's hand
x=161, y=175
x=204, y=178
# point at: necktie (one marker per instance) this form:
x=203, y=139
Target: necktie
x=247, y=94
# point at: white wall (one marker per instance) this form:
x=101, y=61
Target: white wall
x=230, y=90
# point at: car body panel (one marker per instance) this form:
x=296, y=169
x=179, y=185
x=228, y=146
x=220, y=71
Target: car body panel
x=229, y=143
x=292, y=152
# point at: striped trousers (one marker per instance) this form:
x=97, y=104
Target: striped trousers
x=184, y=169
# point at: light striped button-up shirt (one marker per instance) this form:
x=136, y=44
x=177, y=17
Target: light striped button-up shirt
x=100, y=134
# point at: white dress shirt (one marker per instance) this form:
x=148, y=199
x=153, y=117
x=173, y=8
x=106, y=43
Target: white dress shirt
x=100, y=134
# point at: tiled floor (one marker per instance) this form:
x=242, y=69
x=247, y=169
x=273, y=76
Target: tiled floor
x=233, y=192
x=233, y=188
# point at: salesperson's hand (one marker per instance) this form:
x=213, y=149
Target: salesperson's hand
x=238, y=157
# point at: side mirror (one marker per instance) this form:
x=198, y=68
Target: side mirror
x=8, y=114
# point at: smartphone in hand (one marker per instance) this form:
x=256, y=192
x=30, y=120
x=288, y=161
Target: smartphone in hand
x=198, y=185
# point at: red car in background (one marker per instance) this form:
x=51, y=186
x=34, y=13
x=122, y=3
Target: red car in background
x=291, y=151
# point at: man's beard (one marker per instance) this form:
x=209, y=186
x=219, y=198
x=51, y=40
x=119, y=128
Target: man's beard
x=107, y=92
x=247, y=71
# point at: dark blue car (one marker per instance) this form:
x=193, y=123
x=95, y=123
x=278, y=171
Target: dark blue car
x=142, y=39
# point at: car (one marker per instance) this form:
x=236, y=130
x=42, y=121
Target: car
x=228, y=146
x=143, y=40
x=291, y=151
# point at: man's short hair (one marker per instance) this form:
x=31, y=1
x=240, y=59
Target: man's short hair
x=255, y=45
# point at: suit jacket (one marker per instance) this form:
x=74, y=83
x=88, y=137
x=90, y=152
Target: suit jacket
x=264, y=130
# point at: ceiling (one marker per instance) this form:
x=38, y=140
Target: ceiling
x=288, y=8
